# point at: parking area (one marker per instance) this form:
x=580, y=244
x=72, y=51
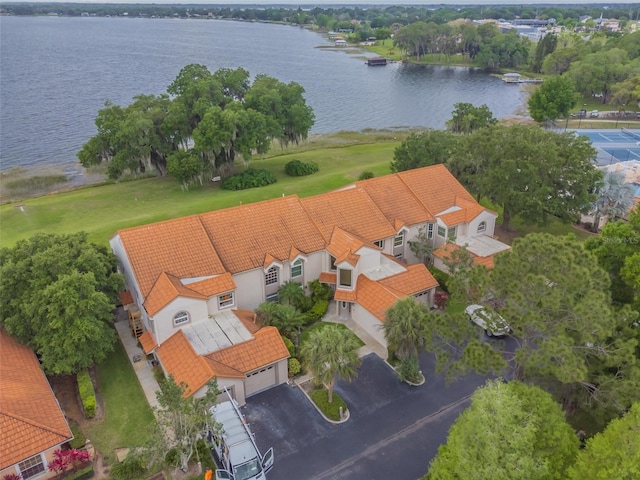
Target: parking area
x=394, y=429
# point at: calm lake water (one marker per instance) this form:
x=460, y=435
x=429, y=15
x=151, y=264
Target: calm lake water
x=56, y=73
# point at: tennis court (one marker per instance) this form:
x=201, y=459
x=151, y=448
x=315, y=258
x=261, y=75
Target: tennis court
x=614, y=146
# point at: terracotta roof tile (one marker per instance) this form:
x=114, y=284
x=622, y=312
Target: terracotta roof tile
x=30, y=418
x=444, y=252
x=214, y=286
x=435, y=187
x=148, y=342
x=345, y=295
x=243, y=235
x=269, y=260
x=180, y=247
x=180, y=360
x=248, y=319
x=350, y=209
x=350, y=258
x=166, y=289
x=375, y=297
x=398, y=203
x=265, y=348
x=328, y=277
x=125, y=297
x=294, y=253
x=416, y=279
x=343, y=242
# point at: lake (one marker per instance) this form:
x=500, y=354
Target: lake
x=57, y=72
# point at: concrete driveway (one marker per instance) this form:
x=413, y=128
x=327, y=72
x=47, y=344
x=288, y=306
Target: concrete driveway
x=393, y=433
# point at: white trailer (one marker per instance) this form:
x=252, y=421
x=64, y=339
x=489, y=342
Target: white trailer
x=235, y=448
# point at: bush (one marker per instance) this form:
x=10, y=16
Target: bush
x=317, y=311
x=205, y=456
x=296, y=168
x=290, y=346
x=158, y=374
x=365, y=175
x=87, y=394
x=294, y=367
x=409, y=371
x=131, y=467
x=250, y=178
x=442, y=277
x=330, y=410
x=78, y=437
x=172, y=458
x=320, y=291
x=82, y=474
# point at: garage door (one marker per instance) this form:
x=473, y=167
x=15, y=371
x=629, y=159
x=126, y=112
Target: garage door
x=260, y=380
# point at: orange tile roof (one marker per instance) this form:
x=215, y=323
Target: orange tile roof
x=180, y=360
x=328, y=277
x=435, y=187
x=444, y=252
x=148, y=342
x=214, y=286
x=345, y=295
x=248, y=319
x=243, y=235
x=416, y=279
x=350, y=258
x=180, y=247
x=125, y=297
x=343, y=242
x=375, y=297
x=398, y=203
x=350, y=209
x=166, y=289
x=265, y=348
x=30, y=418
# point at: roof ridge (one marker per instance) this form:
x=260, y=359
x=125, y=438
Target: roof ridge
x=414, y=194
x=36, y=424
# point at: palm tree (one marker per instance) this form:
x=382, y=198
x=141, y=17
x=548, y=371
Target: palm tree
x=404, y=329
x=615, y=198
x=291, y=293
x=331, y=353
x=267, y=313
x=289, y=320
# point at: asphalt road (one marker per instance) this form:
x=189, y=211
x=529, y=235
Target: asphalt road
x=393, y=432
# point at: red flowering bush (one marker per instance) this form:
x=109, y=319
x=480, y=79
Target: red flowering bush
x=65, y=459
x=12, y=476
x=441, y=299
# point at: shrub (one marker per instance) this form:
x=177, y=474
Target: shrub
x=317, y=311
x=78, y=437
x=441, y=299
x=365, y=175
x=204, y=454
x=330, y=410
x=441, y=277
x=294, y=367
x=172, y=458
x=290, y=346
x=131, y=467
x=320, y=291
x=158, y=374
x=296, y=168
x=12, y=476
x=409, y=370
x=87, y=393
x=250, y=178
x=82, y=474
x=64, y=460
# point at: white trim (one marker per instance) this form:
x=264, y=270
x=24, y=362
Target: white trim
x=183, y=317
x=228, y=302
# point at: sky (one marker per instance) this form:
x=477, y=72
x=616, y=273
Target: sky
x=320, y=3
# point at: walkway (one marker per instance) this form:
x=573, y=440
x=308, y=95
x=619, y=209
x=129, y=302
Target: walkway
x=142, y=368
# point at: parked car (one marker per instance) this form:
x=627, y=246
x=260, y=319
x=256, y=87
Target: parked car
x=489, y=320
x=594, y=114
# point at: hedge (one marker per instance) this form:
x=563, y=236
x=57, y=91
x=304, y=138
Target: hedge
x=79, y=440
x=442, y=277
x=296, y=168
x=82, y=474
x=294, y=367
x=290, y=346
x=317, y=311
x=250, y=178
x=87, y=393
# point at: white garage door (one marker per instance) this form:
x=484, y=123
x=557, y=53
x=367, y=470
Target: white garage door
x=260, y=380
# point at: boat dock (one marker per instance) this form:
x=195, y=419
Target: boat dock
x=376, y=61
x=517, y=78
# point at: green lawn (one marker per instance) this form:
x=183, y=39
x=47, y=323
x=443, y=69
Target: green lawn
x=320, y=325
x=127, y=419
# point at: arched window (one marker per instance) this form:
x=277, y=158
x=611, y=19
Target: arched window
x=180, y=318
x=482, y=226
x=271, y=276
x=296, y=269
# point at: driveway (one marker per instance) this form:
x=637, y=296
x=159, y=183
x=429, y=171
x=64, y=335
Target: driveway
x=393, y=433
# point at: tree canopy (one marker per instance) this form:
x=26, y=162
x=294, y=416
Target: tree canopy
x=423, y=149
x=553, y=99
x=57, y=293
x=529, y=171
x=511, y=431
x=198, y=129
x=467, y=118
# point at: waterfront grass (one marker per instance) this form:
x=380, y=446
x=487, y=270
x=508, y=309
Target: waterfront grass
x=102, y=210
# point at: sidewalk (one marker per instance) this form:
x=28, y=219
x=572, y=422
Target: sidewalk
x=142, y=368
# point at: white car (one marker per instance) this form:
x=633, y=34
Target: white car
x=490, y=320
x=594, y=114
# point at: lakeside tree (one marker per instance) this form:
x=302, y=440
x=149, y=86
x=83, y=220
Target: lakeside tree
x=544, y=47
x=553, y=99
x=467, y=118
x=57, y=293
x=331, y=353
x=613, y=453
x=201, y=127
x=511, y=431
x=529, y=172
x=424, y=149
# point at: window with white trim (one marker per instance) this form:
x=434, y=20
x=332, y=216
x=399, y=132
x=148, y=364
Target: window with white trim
x=451, y=233
x=379, y=243
x=442, y=232
x=180, y=318
x=482, y=226
x=344, y=279
x=333, y=267
x=296, y=269
x=398, y=240
x=271, y=276
x=31, y=467
x=226, y=300
x=429, y=230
